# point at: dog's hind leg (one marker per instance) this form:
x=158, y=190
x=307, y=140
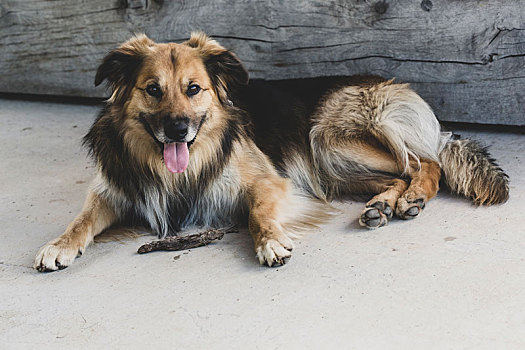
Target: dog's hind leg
x=380, y=209
x=359, y=166
x=364, y=134
x=62, y=251
x=424, y=185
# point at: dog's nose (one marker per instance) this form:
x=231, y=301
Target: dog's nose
x=176, y=129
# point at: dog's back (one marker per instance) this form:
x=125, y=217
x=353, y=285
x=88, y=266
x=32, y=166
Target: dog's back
x=293, y=121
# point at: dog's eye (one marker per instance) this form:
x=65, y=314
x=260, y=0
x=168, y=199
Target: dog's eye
x=193, y=90
x=154, y=90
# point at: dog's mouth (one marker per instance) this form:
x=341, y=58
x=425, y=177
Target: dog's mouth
x=176, y=155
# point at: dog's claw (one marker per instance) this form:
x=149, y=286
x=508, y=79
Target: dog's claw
x=55, y=256
x=279, y=262
x=273, y=252
x=59, y=265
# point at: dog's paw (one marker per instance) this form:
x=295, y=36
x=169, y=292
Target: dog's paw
x=408, y=208
x=274, y=251
x=56, y=256
x=376, y=215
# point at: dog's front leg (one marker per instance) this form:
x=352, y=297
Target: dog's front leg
x=266, y=197
x=60, y=252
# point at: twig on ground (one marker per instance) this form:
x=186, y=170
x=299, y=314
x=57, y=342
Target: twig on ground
x=185, y=242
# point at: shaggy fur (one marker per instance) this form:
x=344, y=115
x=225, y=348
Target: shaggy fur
x=470, y=171
x=185, y=141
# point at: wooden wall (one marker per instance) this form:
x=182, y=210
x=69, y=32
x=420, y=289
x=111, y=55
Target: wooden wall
x=465, y=57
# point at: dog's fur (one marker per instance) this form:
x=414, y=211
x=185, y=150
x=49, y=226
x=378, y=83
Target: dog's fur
x=263, y=151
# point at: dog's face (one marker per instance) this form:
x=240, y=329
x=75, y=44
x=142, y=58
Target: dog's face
x=171, y=90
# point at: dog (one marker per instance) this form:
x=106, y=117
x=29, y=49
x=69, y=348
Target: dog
x=185, y=141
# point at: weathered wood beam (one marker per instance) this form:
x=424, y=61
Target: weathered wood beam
x=467, y=58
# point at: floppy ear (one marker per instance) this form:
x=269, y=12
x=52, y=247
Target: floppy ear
x=120, y=66
x=226, y=71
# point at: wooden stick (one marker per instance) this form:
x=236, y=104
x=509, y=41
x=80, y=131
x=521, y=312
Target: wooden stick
x=185, y=242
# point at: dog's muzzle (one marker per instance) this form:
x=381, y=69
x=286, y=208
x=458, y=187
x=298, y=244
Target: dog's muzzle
x=179, y=135
x=174, y=137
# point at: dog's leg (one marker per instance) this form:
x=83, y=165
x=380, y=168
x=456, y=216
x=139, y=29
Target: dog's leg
x=60, y=252
x=267, y=195
x=424, y=185
x=380, y=209
x=394, y=195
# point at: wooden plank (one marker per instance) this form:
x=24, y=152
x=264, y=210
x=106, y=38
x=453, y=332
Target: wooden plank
x=467, y=58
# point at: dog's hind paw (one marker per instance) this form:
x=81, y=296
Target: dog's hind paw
x=409, y=208
x=376, y=215
x=274, y=252
x=55, y=256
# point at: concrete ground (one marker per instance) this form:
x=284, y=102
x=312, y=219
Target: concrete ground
x=454, y=278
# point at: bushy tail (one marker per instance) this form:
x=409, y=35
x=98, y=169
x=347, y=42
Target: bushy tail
x=469, y=170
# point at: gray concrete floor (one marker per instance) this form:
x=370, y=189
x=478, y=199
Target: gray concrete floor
x=452, y=279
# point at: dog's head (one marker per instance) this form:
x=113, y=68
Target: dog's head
x=171, y=90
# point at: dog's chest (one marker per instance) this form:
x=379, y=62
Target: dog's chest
x=219, y=203
x=214, y=201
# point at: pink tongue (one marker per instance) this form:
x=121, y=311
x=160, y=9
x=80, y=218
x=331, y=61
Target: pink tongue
x=176, y=156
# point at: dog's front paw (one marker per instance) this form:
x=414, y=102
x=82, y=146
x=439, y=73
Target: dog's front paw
x=274, y=251
x=56, y=256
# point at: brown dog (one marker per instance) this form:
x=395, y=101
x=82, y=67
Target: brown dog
x=184, y=141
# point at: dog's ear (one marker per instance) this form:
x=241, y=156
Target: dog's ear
x=226, y=71
x=120, y=66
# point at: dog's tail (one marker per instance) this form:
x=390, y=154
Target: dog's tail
x=469, y=170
